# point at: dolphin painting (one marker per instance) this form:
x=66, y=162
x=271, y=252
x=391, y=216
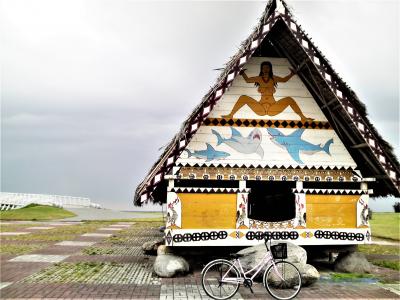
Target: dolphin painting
x=245, y=145
x=209, y=154
x=294, y=144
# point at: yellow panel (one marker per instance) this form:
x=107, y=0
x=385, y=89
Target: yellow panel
x=208, y=211
x=332, y=211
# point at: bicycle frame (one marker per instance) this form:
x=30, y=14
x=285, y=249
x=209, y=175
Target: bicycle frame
x=265, y=261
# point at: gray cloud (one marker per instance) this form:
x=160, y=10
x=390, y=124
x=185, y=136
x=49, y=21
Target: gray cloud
x=91, y=90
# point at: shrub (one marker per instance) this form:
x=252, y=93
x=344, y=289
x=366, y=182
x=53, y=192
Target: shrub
x=369, y=214
x=396, y=207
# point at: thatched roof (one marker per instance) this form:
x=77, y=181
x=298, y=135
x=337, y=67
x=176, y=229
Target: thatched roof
x=347, y=114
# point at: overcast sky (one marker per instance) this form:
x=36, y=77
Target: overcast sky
x=90, y=90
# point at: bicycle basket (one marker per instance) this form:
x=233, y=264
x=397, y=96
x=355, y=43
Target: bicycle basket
x=279, y=251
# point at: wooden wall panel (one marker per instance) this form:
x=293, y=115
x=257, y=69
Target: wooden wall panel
x=272, y=151
x=294, y=88
x=208, y=211
x=237, y=145
x=331, y=211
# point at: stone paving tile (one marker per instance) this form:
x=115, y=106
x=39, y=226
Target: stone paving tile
x=23, y=242
x=40, y=227
x=14, y=233
x=105, y=249
x=75, y=243
x=39, y=258
x=97, y=235
x=14, y=271
x=129, y=241
x=4, y=284
x=126, y=223
x=58, y=250
x=99, y=273
x=394, y=288
x=186, y=291
x=81, y=291
x=110, y=258
x=6, y=257
x=60, y=224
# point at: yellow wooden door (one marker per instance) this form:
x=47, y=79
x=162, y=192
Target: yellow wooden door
x=207, y=211
x=331, y=211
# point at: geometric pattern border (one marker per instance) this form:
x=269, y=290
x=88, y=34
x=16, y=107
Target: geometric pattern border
x=267, y=123
x=211, y=173
x=333, y=191
x=261, y=165
x=207, y=190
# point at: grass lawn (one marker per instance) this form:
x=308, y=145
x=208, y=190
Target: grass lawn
x=379, y=249
x=35, y=212
x=385, y=225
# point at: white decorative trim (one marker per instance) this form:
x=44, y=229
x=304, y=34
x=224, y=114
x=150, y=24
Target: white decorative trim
x=333, y=191
x=263, y=165
x=208, y=190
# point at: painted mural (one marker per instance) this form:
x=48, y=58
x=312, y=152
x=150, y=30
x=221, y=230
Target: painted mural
x=266, y=127
x=208, y=154
x=245, y=145
x=281, y=125
x=266, y=83
x=294, y=144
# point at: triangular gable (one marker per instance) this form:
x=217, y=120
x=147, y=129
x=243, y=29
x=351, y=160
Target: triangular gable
x=347, y=113
x=261, y=141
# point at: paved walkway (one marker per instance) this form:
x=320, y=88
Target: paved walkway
x=89, y=213
x=107, y=262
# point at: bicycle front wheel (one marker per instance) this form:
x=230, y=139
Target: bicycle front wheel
x=220, y=280
x=282, y=280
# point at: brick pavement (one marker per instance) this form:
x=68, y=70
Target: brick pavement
x=121, y=267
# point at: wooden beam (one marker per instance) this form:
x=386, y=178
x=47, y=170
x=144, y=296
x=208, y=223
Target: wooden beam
x=358, y=146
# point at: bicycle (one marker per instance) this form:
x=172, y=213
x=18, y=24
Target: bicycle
x=221, y=278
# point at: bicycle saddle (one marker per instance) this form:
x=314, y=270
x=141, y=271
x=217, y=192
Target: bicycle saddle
x=235, y=255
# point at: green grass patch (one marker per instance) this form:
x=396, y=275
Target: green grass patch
x=95, y=272
x=379, y=249
x=97, y=251
x=390, y=264
x=57, y=234
x=138, y=220
x=35, y=212
x=385, y=225
x=20, y=249
x=16, y=227
x=349, y=276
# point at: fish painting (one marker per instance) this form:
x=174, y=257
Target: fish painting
x=246, y=145
x=209, y=154
x=294, y=144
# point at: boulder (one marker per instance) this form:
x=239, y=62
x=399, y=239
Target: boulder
x=152, y=246
x=297, y=255
x=352, y=262
x=169, y=265
x=162, y=249
x=252, y=255
x=309, y=274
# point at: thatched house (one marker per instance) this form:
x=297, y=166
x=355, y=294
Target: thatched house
x=280, y=145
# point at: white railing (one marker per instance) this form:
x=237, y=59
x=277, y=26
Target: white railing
x=18, y=200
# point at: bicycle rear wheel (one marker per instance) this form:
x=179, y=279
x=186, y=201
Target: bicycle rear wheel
x=282, y=280
x=213, y=283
